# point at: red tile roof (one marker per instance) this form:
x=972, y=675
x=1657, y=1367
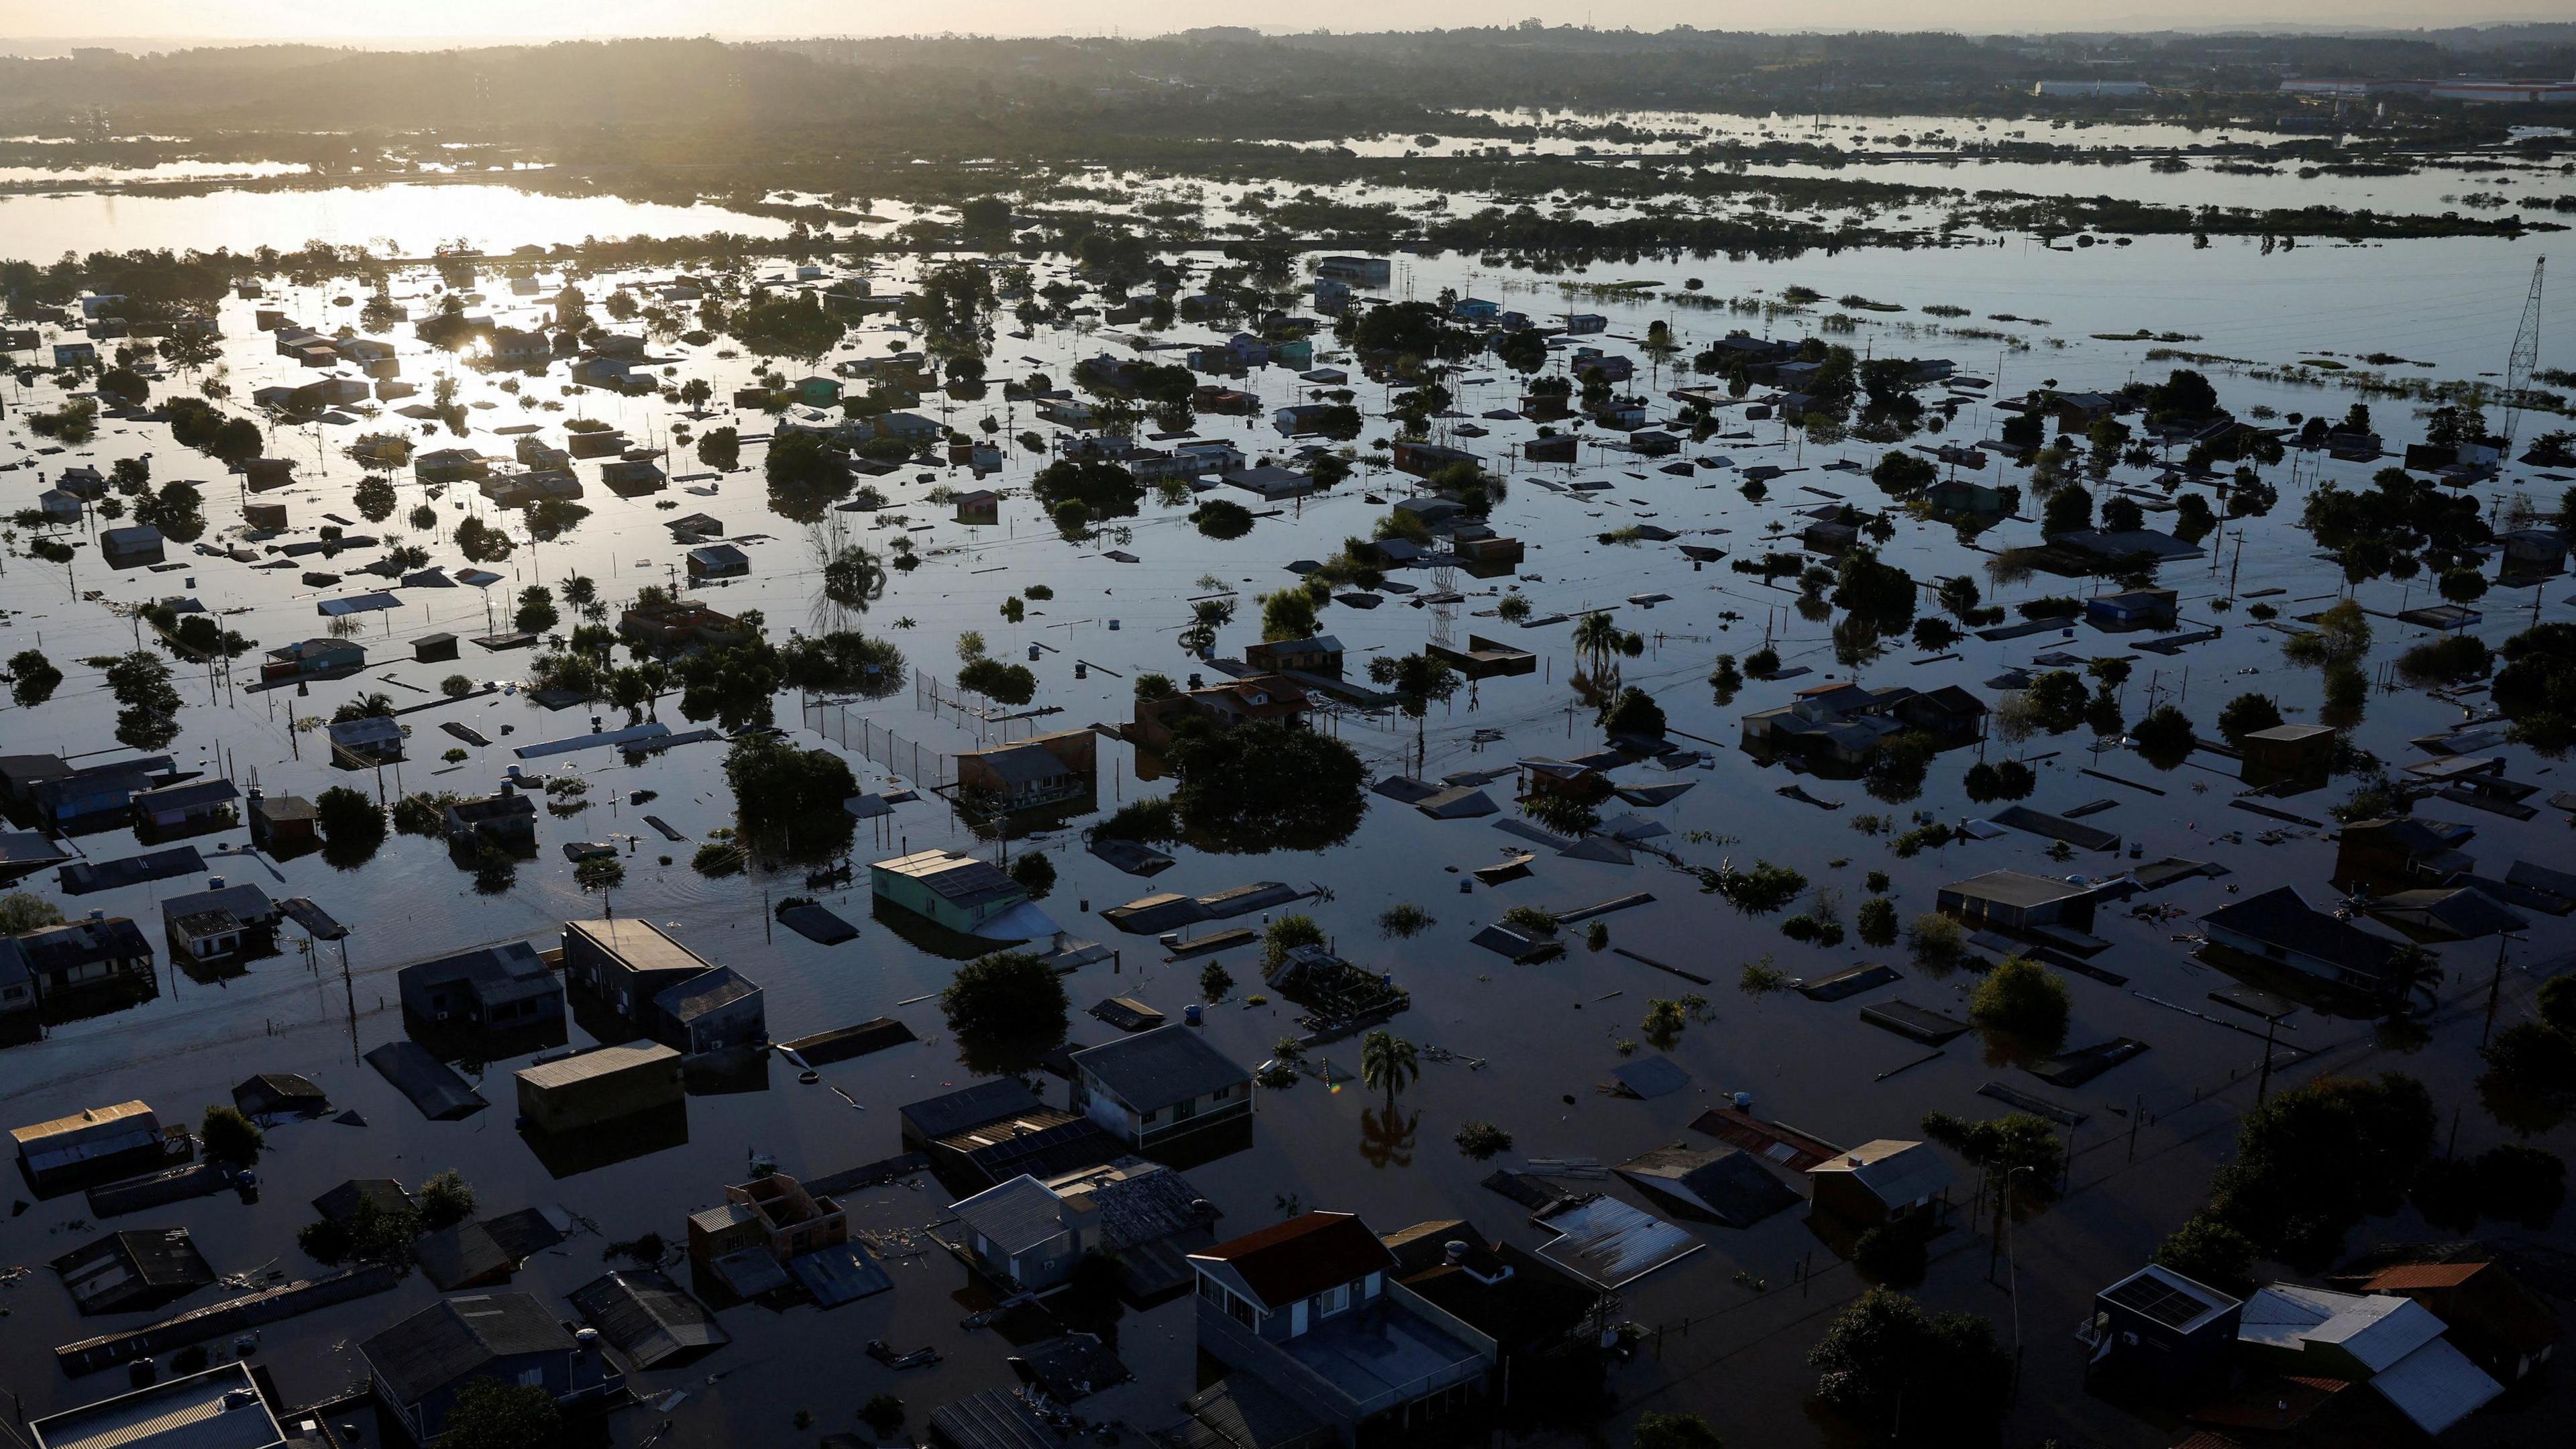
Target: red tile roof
x=1303, y=1256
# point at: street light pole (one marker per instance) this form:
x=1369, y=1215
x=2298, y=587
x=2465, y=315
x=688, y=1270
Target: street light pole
x=2012, y=1271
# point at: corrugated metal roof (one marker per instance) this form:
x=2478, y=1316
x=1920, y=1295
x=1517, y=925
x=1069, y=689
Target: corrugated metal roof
x=185, y=1413
x=2436, y=1386
x=1610, y=1244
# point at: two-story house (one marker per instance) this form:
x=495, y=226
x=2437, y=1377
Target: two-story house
x=1308, y=1308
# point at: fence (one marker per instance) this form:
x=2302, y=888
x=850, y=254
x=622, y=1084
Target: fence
x=926, y=769
x=991, y=726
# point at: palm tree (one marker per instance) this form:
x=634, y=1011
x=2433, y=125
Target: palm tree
x=1596, y=638
x=1390, y=1062
x=2412, y=971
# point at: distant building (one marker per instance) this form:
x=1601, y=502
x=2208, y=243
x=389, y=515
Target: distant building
x=281, y=823
x=717, y=561
x=717, y=1010
x=2091, y=88
x=134, y=546
x=1372, y=272
x=448, y=465
x=2503, y=92
x=2503, y=1327
x=2133, y=609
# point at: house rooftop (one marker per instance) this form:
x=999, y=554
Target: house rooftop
x=2282, y=917
x=935, y=1117
x=1895, y=1171
x=2177, y=1302
x=1159, y=1068
x=449, y=1340
x=638, y=945
x=220, y=1408
x=1017, y=1216
x=709, y=991
x=1297, y=1259
x=2019, y=888
x=958, y=879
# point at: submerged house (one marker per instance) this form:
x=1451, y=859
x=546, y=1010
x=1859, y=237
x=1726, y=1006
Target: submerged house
x=95, y=1144
x=1879, y=1182
x=957, y=892
x=2018, y=901
x=505, y=818
x=419, y=1365
x=602, y=1085
x=663, y=989
x=495, y=990
x=1844, y=724
x=312, y=657
x=2401, y=853
x=2280, y=928
x=1309, y=1309
x=1033, y=773
x=218, y=923
x=1157, y=1086
x=1030, y=1232
x=80, y=957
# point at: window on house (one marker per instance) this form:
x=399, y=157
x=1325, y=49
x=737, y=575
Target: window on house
x=1333, y=1300
x=1239, y=1311
x=1184, y=1111
x=1220, y=1094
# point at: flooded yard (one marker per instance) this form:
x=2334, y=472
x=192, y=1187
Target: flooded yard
x=1531, y=1046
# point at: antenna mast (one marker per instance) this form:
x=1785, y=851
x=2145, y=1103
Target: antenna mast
x=2525, y=360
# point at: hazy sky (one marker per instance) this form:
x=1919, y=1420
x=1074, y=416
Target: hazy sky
x=465, y=20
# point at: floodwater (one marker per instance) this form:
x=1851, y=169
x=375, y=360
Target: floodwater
x=1547, y=1034
x=400, y=219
